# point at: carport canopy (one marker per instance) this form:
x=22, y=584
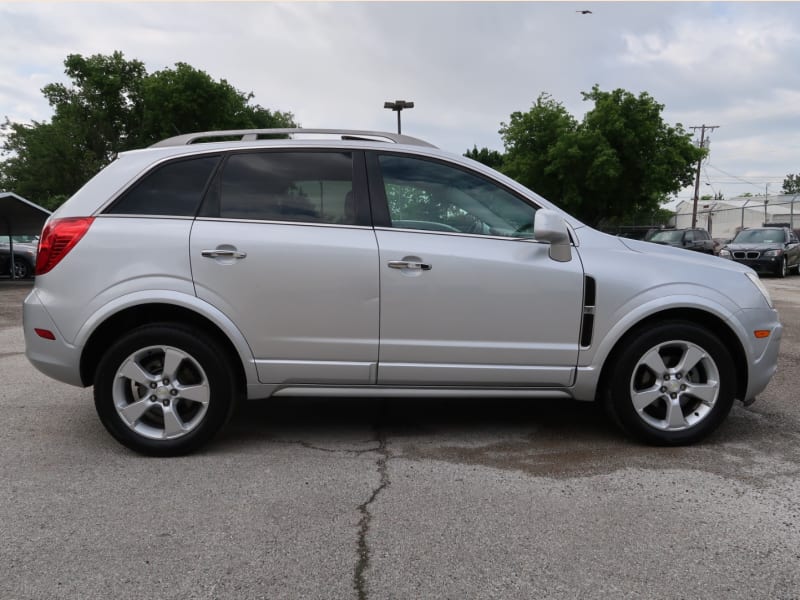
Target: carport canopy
x=19, y=216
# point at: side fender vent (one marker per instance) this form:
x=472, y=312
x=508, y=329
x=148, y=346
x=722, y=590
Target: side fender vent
x=587, y=324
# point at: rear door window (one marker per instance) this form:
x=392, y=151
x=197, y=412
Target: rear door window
x=308, y=187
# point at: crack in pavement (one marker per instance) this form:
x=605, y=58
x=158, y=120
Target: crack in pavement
x=310, y=446
x=359, y=574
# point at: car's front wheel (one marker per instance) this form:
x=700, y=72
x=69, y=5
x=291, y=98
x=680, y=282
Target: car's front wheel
x=671, y=384
x=164, y=390
x=782, y=268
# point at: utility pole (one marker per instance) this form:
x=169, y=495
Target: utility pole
x=702, y=129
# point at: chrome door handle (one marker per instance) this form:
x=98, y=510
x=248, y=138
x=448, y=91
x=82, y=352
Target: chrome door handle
x=414, y=266
x=223, y=254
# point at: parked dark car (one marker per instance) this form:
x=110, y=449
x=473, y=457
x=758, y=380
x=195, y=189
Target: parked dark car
x=24, y=256
x=774, y=250
x=690, y=239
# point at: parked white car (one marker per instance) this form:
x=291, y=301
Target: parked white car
x=191, y=274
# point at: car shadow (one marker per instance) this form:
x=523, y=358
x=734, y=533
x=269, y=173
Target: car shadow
x=259, y=422
x=556, y=438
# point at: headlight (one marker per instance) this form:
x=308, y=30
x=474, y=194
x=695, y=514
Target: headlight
x=764, y=292
x=773, y=252
x=725, y=253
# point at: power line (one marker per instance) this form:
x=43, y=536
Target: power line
x=702, y=129
x=708, y=182
x=743, y=180
x=760, y=180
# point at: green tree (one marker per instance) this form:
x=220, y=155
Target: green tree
x=791, y=185
x=101, y=105
x=532, y=141
x=90, y=123
x=615, y=167
x=490, y=158
x=43, y=161
x=184, y=100
x=111, y=105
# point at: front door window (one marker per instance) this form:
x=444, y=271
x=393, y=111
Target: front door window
x=431, y=196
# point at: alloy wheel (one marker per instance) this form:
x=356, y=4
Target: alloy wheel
x=161, y=393
x=674, y=386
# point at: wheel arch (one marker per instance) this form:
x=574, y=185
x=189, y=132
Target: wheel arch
x=142, y=314
x=692, y=315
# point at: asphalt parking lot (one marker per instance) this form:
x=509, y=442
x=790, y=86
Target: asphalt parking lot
x=397, y=499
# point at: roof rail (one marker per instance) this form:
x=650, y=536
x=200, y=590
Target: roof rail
x=250, y=135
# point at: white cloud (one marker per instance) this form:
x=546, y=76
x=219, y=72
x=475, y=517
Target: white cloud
x=729, y=45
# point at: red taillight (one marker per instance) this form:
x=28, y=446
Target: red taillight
x=58, y=238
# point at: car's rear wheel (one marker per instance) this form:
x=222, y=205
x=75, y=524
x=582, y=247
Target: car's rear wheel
x=164, y=390
x=672, y=384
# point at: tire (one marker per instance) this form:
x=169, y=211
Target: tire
x=670, y=385
x=782, y=270
x=161, y=411
x=22, y=270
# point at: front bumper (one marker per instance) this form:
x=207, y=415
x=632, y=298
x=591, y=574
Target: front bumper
x=763, y=353
x=768, y=264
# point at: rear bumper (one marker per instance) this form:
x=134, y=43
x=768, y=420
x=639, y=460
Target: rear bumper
x=55, y=358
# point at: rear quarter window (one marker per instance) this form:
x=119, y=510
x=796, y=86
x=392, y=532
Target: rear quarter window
x=172, y=189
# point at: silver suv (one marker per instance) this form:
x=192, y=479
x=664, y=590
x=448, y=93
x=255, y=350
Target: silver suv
x=250, y=264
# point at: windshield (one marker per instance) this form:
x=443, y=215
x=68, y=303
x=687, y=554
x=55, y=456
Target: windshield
x=761, y=236
x=666, y=236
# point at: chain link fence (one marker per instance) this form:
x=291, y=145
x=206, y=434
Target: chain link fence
x=724, y=220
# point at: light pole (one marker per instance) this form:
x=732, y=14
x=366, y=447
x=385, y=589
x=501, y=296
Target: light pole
x=398, y=106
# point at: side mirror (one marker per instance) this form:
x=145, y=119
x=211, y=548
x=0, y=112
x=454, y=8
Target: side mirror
x=549, y=227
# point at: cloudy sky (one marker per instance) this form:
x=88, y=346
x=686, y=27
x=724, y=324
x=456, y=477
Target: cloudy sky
x=467, y=66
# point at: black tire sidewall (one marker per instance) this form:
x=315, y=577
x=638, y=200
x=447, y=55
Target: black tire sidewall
x=24, y=268
x=203, y=350
x=618, y=399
